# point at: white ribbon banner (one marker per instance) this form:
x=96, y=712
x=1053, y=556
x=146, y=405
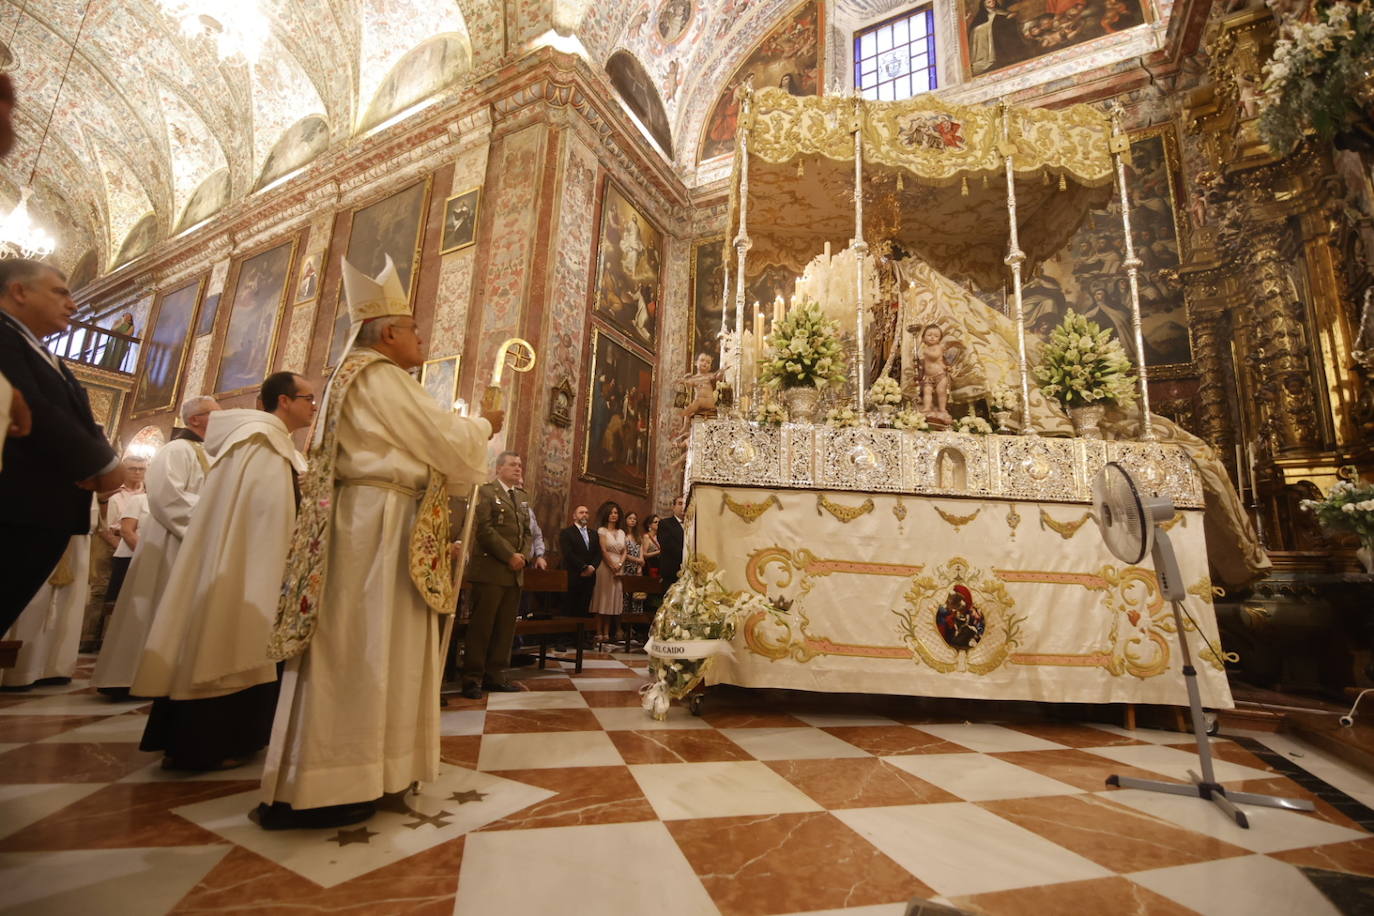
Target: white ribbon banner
x=689, y=648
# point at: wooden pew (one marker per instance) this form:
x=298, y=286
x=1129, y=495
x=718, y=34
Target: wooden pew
x=648, y=585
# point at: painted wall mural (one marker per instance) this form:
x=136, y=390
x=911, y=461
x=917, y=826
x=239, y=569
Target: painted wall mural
x=788, y=57
x=1000, y=33
x=636, y=87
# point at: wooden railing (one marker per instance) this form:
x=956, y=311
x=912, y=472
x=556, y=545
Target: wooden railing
x=95, y=346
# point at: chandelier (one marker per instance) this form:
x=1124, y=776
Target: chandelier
x=235, y=27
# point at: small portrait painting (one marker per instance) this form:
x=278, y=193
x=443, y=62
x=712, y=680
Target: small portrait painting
x=630, y=257
x=1000, y=33
x=673, y=19
x=254, y=316
x=163, y=349
x=308, y=283
x=440, y=379
x=959, y=621
x=460, y=220
x=619, y=416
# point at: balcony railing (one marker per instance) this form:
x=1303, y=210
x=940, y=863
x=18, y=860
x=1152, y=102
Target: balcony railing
x=99, y=347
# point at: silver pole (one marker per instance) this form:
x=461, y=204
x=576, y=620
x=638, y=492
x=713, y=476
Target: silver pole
x=1121, y=143
x=860, y=250
x=742, y=244
x=1015, y=257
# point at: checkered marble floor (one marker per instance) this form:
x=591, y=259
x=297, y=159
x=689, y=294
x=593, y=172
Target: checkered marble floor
x=567, y=797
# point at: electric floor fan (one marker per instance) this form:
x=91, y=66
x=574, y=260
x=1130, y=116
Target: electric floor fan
x=1130, y=525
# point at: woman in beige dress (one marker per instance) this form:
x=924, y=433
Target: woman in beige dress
x=607, y=595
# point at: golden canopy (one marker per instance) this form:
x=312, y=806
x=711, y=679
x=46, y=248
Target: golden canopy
x=934, y=178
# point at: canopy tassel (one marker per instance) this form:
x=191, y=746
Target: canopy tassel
x=963, y=187
x=1063, y=185
x=801, y=168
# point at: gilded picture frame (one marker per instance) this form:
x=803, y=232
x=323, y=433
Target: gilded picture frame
x=561, y=403
x=308, y=280
x=255, y=314
x=628, y=288
x=997, y=34
x=461, y=212
x=440, y=378
x=338, y=329
x=162, y=354
x=393, y=224
x=618, y=437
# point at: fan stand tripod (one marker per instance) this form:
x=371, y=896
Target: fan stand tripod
x=1119, y=504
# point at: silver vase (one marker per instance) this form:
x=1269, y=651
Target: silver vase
x=1086, y=419
x=802, y=403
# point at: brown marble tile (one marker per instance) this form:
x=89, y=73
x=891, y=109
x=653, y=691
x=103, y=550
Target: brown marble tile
x=890, y=740
x=460, y=749
x=1112, y=835
x=73, y=762
x=552, y=682
x=738, y=719
x=243, y=882
x=637, y=662
x=688, y=746
x=1070, y=734
x=126, y=815
x=586, y=795
x=19, y=729
x=611, y=698
x=590, y=673
x=785, y=863
x=518, y=721
x=1117, y=896
x=456, y=701
x=858, y=782
x=1079, y=769
x=1286, y=788
x=1353, y=857
x=1230, y=752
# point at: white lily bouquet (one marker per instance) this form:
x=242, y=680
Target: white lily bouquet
x=1003, y=397
x=1082, y=364
x=841, y=417
x=885, y=392
x=770, y=413
x=803, y=351
x=1346, y=507
x=694, y=624
x=910, y=419
x=974, y=425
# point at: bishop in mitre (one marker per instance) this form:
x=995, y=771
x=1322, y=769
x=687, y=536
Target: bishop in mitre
x=369, y=575
x=205, y=661
x=174, y=479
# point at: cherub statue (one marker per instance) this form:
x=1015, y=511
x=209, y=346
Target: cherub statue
x=702, y=384
x=933, y=365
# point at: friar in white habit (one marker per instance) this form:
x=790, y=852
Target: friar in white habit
x=368, y=576
x=206, y=660
x=173, y=483
x=50, y=626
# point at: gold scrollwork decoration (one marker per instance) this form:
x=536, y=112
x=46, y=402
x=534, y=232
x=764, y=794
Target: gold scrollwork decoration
x=1178, y=519
x=1065, y=530
x=844, y=514
x=957, y=521
x=899, y=511
x=1013, y=519
x=749, y=512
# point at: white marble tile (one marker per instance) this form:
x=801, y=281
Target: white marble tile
x=22, y=805
x=126, y=728
x=588, y=869
x=1270, y=830
x=958, y=848
x=8, y=747
x=71, y=704
x=153, y=772
x=791, y=743
x=1175, y=763
x=459, y=801
x=114, y=881
x=719, y=789
x=1243, y=886
x=544, y=750
x=463, y=721
x=841, y=720
x=1351, y=780
x=537, y=699
x=989, y=739
x=608, y=683
x=1149, y=735
x=631, y=718
x=976, y=777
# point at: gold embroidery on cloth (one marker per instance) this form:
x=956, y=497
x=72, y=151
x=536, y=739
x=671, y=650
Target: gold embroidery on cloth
x=1013, y=519
x=1065, y=530
x=431, y=570
x=956, y=521
x=844, y=514
x=749, y=512
x=899, y=510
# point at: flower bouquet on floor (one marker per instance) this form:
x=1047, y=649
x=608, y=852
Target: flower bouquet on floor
x=694, y=624
x=1348, y=508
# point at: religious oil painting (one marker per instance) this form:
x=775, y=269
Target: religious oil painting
x=709, y=295
x=308, y=283
x=338, y=335
x=391, y=226
x=673, y=18
x=1000, y=33
x=619, y=416
x=637, y=88
x=1087, y=274
x=788, y=57
x=164, y=349
x=460, y=220
x=628, y=272
x=440, y=378
x=254, y=316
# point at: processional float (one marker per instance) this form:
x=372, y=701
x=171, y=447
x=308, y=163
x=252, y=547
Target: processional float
x=980, y=190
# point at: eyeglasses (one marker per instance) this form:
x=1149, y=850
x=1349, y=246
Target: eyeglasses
x=300, y=397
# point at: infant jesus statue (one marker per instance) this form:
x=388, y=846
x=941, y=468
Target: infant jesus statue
x=702, y=384
x=933, y=364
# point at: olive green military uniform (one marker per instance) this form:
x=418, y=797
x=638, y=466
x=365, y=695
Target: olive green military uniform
x=501, y=529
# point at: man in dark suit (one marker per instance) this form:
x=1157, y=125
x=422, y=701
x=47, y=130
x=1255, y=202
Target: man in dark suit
x=670, y=542
x=580, y=549
x=502, y=548
x=48, y=476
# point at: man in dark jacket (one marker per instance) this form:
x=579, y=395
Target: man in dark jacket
x=48, y=476
x=580, y=548
x=670, y=542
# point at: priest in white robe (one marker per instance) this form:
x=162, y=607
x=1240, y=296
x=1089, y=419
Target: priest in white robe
x=173, y=484
x=206, y=660
x=50, y=626
x=368, y=578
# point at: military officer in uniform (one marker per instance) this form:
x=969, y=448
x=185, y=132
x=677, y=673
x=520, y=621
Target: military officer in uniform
x=502, y=548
